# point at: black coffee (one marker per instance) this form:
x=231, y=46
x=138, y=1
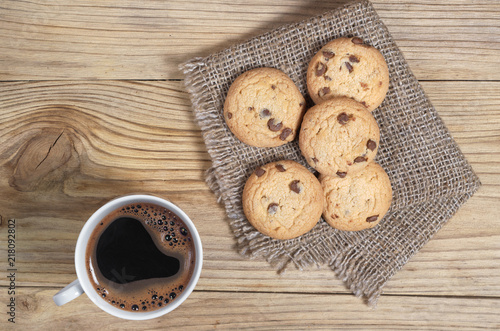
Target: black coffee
x=140, y=257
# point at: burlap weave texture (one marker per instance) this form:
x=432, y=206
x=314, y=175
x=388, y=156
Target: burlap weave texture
x=430, y=177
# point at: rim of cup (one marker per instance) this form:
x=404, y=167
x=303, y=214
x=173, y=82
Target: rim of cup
x=81, y=247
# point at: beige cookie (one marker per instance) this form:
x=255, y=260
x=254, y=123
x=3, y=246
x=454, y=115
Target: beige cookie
x=348, y=67
x=338, y=137
x=357, y=201
x=283, y=199
x=264, y=108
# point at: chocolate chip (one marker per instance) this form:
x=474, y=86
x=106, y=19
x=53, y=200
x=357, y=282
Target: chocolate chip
x=229, y=115
x=250, y=108
x=353, y=59
x=272, y=208
x=360, y=159
x=328, y=55
x=364, y=104
x=341, y=174
x=363, y=85
x=315, y=160
x=273, y=87
x=328, y=78
x=302, y=103
x=265, y=113
x=294, y=186
x=372, y=218
x=280, y=168
x=274, y=125
x=324, y=91
x=349, y=67
x=343, y=118
x=259, y=171
x=285, y=133
x=357, y=41
x=371, y=145
x=334, y=216
x=320, y=69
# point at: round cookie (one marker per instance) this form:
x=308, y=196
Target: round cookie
x=348, y=67
x=264, y=108
x=358, y=201
x=338, y=137
x=283, y=199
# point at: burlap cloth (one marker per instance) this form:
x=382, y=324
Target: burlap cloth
x=430, y=177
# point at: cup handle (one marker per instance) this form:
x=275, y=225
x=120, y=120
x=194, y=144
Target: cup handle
x=70, y=292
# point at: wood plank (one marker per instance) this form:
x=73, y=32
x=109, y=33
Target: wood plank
x=457, y=261
x=106, y=123
x=462, y=259
x=43, y=40
x=266, y=311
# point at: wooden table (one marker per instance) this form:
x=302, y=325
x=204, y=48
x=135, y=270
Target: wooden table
x=93, y=106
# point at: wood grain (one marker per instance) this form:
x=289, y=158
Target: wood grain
x=85, y=39
x=67, y=147
x=92, y=106
x=266, y=311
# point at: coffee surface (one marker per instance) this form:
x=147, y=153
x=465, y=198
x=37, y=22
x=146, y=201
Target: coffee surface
x=140, y=257
x=126, y=245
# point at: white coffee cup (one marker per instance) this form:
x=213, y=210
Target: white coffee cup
x=83, y=283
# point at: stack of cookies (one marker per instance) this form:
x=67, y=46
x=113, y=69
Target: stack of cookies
x=338, y=137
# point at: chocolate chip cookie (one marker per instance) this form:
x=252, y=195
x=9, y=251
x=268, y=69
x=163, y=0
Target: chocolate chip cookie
x=264, y=108
x=358, y=201
x=348, y=67
x=283, y=199
x=338, y=137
